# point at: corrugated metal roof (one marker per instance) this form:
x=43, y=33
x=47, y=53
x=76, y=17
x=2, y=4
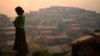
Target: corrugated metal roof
x=86, y=38
x=83, y=38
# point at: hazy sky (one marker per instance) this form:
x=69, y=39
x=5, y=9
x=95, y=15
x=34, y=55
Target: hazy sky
x=7, y=6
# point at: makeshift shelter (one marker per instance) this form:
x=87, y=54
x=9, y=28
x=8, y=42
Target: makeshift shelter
x=88, y=45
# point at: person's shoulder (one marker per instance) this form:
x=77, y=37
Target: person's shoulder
x=21, y=16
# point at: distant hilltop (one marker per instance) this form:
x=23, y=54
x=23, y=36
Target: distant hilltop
x=56, y=15
x=4, y=20
x=61, y=9
x=75, y=21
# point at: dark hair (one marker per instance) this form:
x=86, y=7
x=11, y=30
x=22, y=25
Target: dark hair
x=19, y=10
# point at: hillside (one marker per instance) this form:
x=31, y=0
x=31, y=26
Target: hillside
x=75, y=21
x=57, y=22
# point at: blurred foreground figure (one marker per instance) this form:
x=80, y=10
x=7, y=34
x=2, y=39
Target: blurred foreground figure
x=20, y=45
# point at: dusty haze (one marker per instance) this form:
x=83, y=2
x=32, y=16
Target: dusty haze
x=7, y=6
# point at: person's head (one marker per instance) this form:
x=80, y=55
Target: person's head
x=19, y=10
